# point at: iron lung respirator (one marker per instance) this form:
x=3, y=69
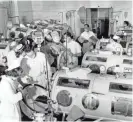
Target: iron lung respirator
x=95, y=94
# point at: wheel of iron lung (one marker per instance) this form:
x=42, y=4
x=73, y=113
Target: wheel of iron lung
x=90, y=101
x=35, y=101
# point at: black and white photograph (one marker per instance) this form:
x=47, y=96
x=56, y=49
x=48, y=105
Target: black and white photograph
x=66, y=60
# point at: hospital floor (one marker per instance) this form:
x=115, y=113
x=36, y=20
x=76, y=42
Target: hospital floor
x=59, y=118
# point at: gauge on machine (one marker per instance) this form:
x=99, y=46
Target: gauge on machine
x=102, y=69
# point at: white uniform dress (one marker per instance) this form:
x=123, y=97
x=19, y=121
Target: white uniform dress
x=74, y=47
x=9, y=101
x=37, y=68
x=86, y=36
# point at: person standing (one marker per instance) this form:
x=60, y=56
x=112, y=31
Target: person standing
x=9, y=97
x=88, y=44
x=72, y=45
x=35, y=65
x=73, y=50
x=9, y=53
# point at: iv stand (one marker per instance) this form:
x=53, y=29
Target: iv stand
x=66, y=47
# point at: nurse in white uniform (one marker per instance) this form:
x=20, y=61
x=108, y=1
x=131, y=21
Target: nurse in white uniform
x=35, y=65
x=85, y=39
x=9, y=98
x=72, y=45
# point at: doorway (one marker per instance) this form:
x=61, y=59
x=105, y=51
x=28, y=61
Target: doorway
x=99, y=21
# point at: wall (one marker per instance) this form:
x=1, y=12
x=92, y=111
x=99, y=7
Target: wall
x=14, y=10
x=3, y=16
x=123, y=6
x=50, y=9
x=47, y=9
x=32, y=10
x=25, y=11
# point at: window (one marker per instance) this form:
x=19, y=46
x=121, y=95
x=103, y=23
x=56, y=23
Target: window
x=3, y=46
x=99, y=59
x=73, y=82
x=120, y=88
x=126, y=61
